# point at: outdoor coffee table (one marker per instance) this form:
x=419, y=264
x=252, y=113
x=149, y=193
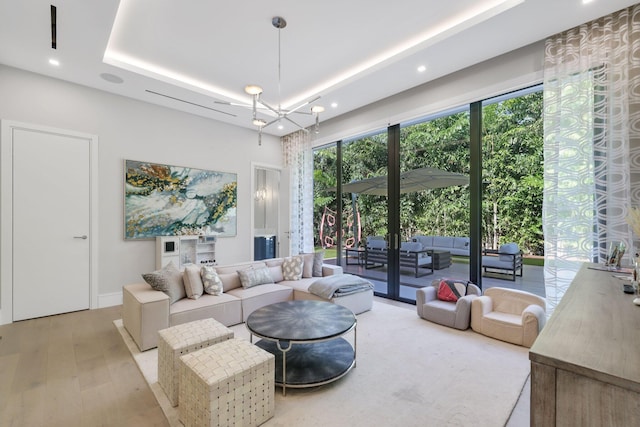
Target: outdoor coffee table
x=441, y=259
x=306, y=337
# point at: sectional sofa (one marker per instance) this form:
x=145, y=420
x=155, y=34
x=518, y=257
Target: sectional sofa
x=146, y=310
x=459, y=246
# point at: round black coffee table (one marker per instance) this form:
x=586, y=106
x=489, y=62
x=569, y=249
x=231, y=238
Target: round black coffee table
x=306, y=339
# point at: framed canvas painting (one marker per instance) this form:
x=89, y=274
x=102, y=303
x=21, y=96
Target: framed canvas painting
x=164, y=200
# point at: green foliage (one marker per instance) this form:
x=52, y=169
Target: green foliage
x=512, y=173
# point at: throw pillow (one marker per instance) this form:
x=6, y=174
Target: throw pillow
x=255, y=276
x=193, y=285
x=292, y=268
x=211, y=280
x=451, y=290
x=318, y=260
x=168, y=280
x=276, y=273
x=307, y=266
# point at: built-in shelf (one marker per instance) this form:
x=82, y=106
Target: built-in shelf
x=185, y=250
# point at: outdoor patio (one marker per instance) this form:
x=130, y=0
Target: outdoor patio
x=532, y=279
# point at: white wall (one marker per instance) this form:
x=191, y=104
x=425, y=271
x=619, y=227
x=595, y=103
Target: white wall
x=130, y=129
x=512, y=71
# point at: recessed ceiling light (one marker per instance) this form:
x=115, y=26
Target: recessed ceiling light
x=54, y=62
x=280, y=127
x=479, y=13
x=334, y=105
x=422, y=69
x=111, y=78
x=586, y=1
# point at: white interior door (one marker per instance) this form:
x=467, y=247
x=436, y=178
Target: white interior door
x=51, y=223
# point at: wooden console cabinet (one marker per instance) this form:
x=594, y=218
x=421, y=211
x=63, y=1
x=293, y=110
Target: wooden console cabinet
x=585, y=364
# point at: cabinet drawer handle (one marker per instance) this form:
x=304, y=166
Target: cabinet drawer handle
x=81, y=237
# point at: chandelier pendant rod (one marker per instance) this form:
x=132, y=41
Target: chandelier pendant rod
x=279, y=71
x=256, y=93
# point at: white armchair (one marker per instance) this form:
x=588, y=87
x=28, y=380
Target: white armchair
x=452, y=314
x=509, y=315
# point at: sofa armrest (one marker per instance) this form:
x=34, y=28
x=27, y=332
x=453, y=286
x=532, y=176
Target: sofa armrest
x=479, y=307
x=463, y=312
x=533, y=320
x=424, y=295
x=430, y=293
x=331, y=270
x=484, y=304
x=144, y=312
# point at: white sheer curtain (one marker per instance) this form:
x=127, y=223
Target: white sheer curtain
x=298, y=157
x=591, y=145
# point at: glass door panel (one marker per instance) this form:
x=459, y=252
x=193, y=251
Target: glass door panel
x=512, y=135
x=325, y=210
x=364, y=208
x=434, y=200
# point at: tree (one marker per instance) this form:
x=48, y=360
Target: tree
x=512, y=175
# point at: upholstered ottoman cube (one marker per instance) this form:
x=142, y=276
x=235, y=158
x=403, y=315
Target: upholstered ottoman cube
x=228, y=384
x=181, y=339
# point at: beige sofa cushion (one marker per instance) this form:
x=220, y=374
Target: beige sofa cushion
x=226, y=309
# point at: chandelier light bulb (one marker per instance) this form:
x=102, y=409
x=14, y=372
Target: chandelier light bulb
x=253, y=89
x=317, y=109
x=259, y=122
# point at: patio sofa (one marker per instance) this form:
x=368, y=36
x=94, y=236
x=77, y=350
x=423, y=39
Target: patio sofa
x=459, y=246
x=145, y=311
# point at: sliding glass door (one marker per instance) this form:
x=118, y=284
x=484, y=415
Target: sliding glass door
x=364, y=204
x=434, y=199
x=377, y=193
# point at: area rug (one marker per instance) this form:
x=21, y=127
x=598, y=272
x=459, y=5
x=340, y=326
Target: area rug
x=409, y=372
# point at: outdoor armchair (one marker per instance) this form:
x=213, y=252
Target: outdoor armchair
x=414, y=256
x=506, y=260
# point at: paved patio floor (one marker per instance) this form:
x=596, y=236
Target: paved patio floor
x=532, y=279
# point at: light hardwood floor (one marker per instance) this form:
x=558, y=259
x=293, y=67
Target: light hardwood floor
x=72, y=370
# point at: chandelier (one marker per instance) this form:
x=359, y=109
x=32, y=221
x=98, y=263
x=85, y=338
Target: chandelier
x=256, y=97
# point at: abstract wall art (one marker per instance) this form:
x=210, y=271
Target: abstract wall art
x=164, y=200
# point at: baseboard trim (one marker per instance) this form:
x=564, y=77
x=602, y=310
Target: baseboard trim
x=109, y=300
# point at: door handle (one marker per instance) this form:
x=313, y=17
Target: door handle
x=84, y=237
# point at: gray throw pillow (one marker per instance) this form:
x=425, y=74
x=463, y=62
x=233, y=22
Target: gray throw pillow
x=168, y=280
x=307, y=264
x=255, y=276
x=318, y=260
x=211, y=281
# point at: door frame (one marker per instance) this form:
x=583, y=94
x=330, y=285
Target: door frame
x=281, y=207
x=7, y=128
